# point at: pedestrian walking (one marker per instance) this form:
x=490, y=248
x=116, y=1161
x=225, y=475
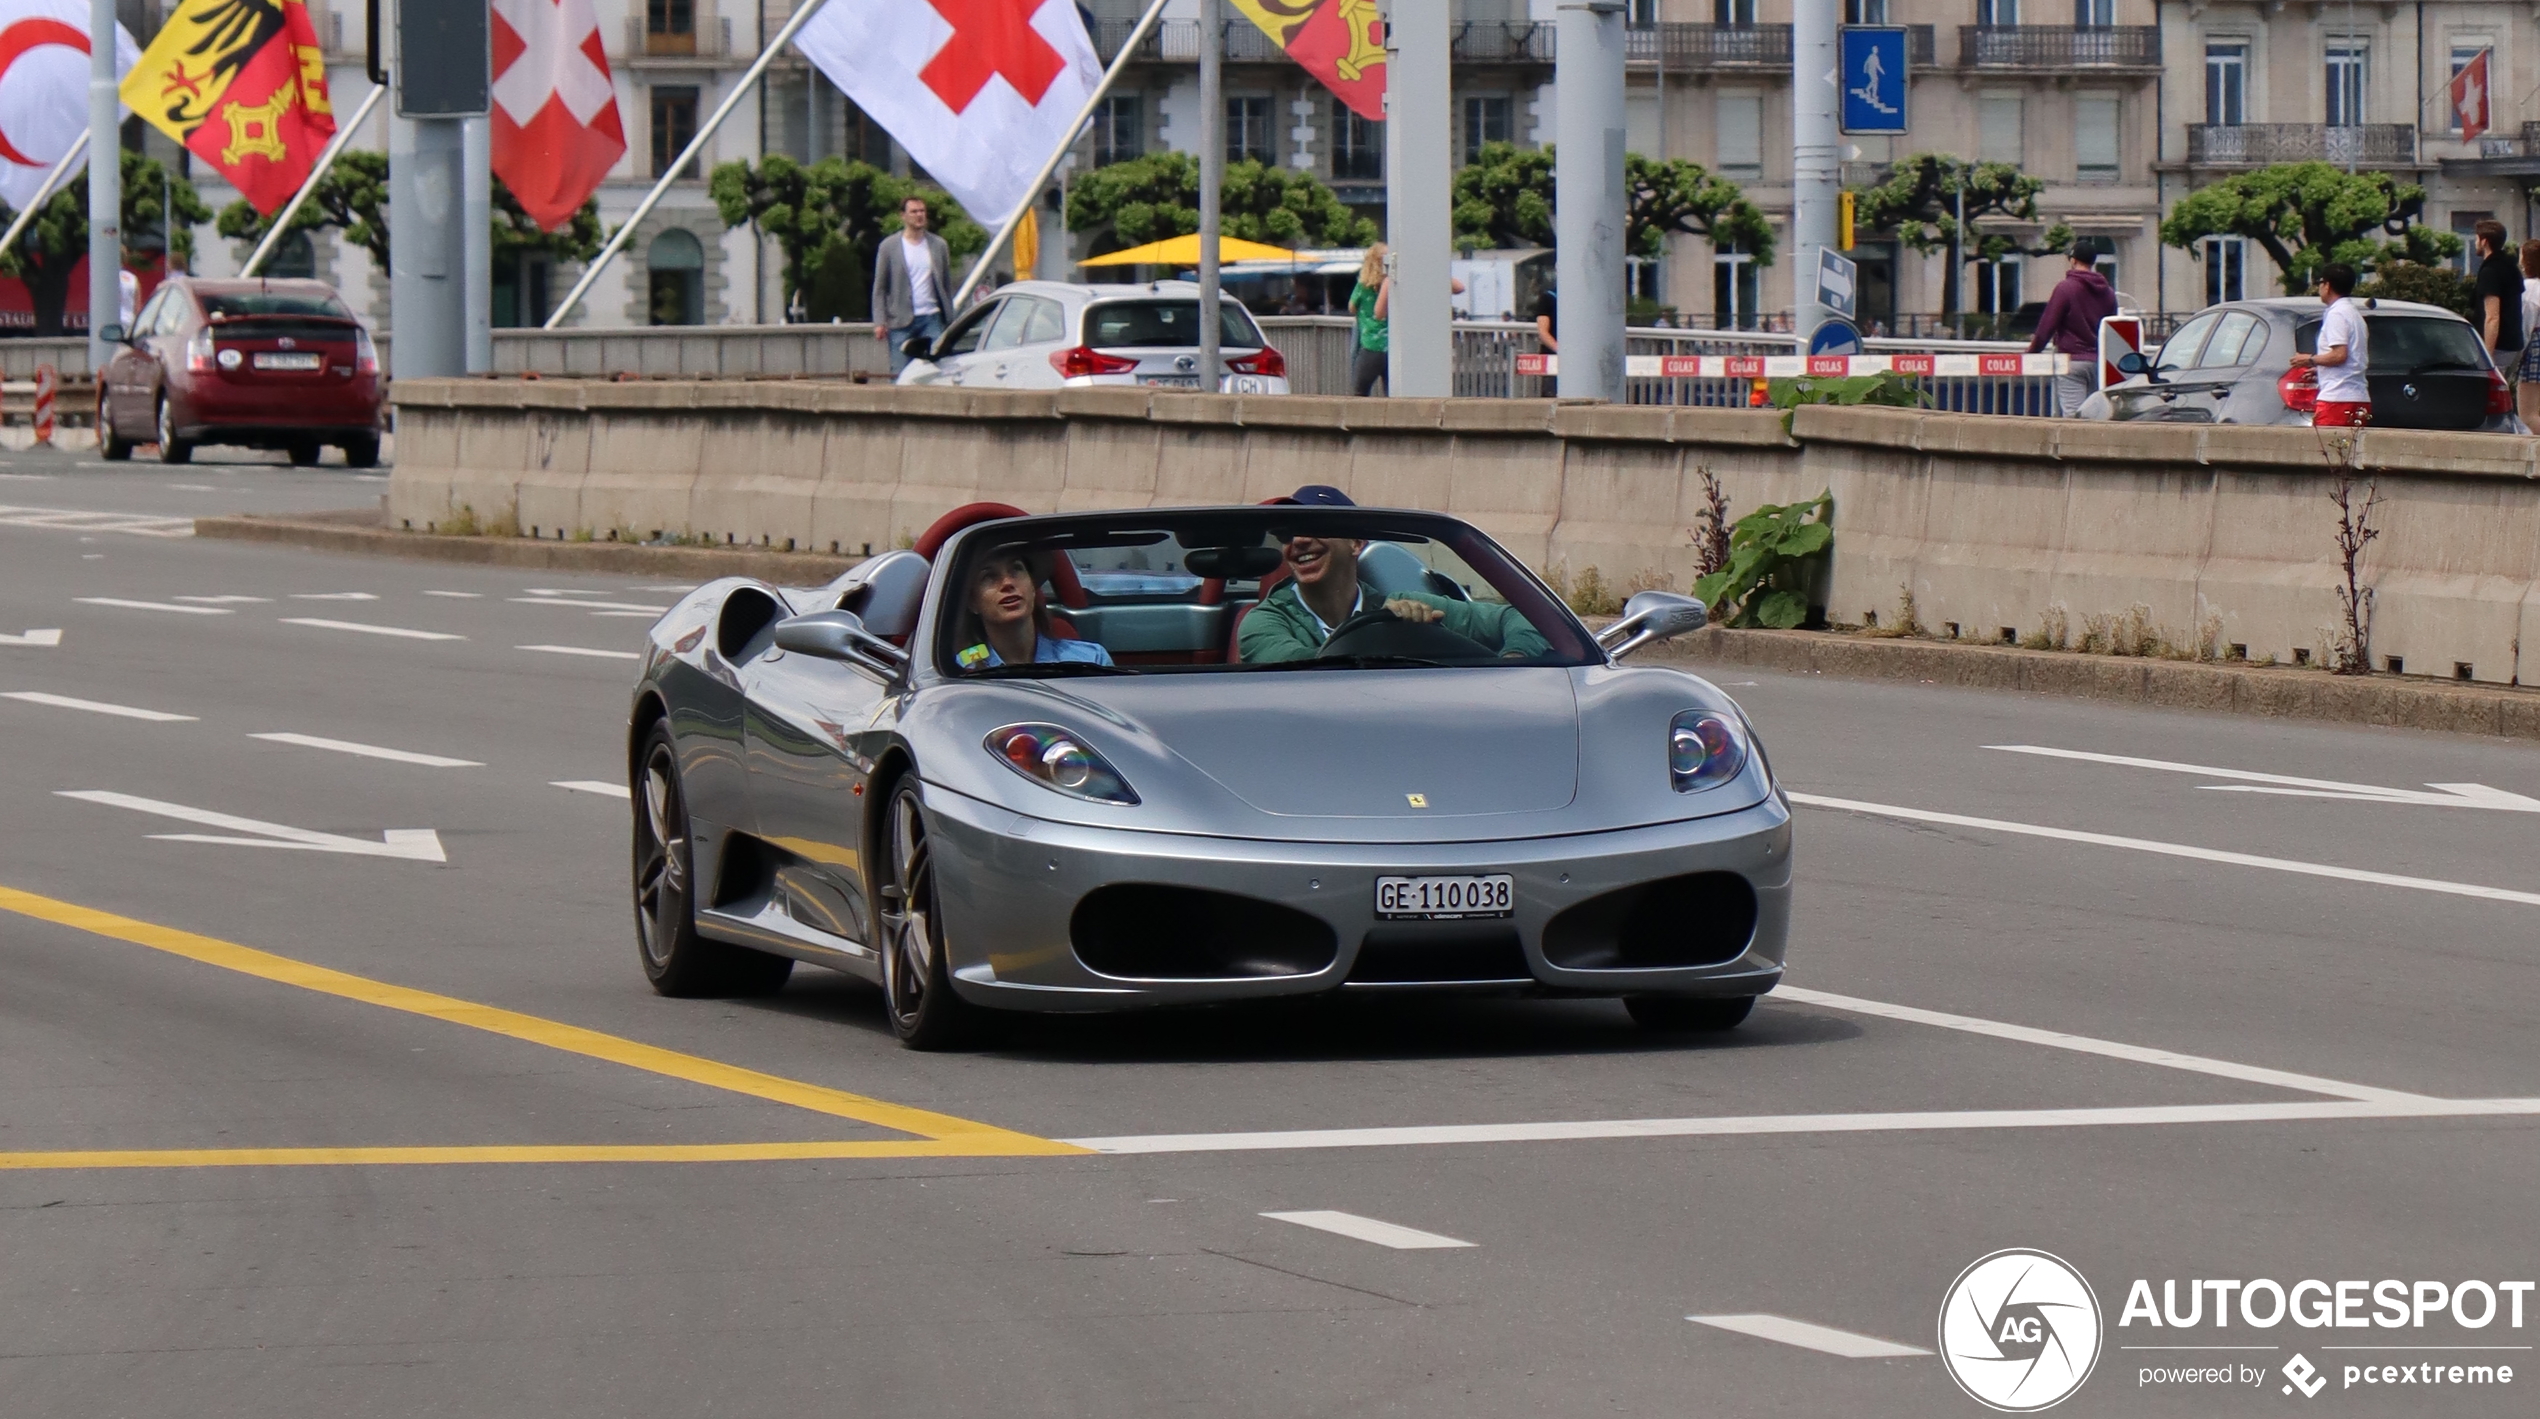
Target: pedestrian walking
x=2527, y=388
x=2345, y=399
x=912, y=285
x=2498, y=297
x=1369, y=302
x=2071, y=324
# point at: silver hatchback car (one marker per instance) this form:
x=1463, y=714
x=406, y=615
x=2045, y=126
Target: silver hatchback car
x=1051, y=335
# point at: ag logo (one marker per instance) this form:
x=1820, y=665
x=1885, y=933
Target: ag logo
x=2019, y=1330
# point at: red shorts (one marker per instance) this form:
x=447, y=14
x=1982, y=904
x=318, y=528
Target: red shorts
x=2337, y=414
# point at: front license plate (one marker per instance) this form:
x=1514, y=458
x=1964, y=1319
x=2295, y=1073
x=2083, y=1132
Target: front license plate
x=289, y=362
x=1445, y=898
x=1170, y=381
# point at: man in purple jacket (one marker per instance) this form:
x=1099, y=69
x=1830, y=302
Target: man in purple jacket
x=2071, y=324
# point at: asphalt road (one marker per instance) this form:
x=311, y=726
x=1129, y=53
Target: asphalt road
x=2278, y=985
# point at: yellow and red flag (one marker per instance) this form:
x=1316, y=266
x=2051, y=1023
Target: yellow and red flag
x=242, y=84
x=1341, y=42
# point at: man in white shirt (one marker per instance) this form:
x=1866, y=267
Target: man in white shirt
x=2345, y=400
x=912, y=284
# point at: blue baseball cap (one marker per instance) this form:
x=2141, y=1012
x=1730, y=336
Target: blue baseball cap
x=1320, y=495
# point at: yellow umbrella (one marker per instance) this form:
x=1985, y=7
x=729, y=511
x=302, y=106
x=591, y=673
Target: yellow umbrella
x=1184, y=251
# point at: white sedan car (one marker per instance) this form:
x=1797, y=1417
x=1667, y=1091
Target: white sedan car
x=1050, y=335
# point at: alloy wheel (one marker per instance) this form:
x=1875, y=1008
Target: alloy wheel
x=661, y=870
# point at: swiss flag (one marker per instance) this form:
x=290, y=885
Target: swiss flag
x=2469, y=97
x=980, y=92
x=556, y=131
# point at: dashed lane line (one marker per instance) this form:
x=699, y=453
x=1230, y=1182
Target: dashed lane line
x=38, y=697
x=153, y=606
x=368, y=629
x=334, y=596
x=459, y=595
x=1810, y=1337
x=602, y=787
x=1368, y=1229
x=370, y=751
x=582, y=650
x=587, y=605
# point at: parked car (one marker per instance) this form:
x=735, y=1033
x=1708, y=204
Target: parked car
x=1050, y=335
x=2233, y=364
x=256, y=364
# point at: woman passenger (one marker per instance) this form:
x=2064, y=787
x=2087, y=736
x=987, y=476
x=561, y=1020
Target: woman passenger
x=1006, y=595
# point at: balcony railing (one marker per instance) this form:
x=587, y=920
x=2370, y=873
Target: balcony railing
x=710, y=37
x=2059, y=47
x=1696, y=47
x=2259, y=144
x=1178, y=42
x=1477, y=43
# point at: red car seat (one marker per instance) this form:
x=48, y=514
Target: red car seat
x=1064, y=584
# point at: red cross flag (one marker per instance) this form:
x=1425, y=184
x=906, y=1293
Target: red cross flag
x=44, y=89
x=2469, y=97
x=556, y=132
x=980, y=92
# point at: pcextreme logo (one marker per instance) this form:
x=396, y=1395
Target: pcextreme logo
x=2019, y=1330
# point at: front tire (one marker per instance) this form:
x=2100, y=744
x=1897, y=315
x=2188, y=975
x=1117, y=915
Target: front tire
x=1678, y=1014
x=917, y=991
x=110, y=448
x=171, y=448
x=677, y=960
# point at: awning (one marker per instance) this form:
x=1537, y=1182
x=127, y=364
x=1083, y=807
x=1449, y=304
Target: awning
x=1184, y=251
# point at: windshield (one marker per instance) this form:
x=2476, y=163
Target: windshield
x=1112, y=324
x=2408, y=344
x=1246, y=591
x=231, y=307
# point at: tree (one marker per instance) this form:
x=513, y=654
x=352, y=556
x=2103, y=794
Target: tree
x=352, y=198
x=517, y=234
x=1920, y=203
x=1149, y=198
x=57, y=239
x=828, y=216
x=2309, y=214
x=2419, y=281
x=1504, y=198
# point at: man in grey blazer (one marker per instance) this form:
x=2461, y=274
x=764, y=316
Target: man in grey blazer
x=912, y=283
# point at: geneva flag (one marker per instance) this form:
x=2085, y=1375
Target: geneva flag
x=1341, y=42
x=242, y=84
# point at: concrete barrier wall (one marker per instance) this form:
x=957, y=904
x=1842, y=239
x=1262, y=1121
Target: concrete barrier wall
x=1989, y=523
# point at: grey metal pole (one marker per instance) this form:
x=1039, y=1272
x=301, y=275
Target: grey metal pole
x=476, y=238
x=1212, y=179
x=1419, y=179
x=1588, y=197
x=326, y=160
x=105, y=185
x=1815, y=156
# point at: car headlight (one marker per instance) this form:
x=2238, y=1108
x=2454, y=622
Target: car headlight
x=1705, y=749
x=1056, y=759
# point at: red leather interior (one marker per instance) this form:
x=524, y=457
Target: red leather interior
x=1062, y=571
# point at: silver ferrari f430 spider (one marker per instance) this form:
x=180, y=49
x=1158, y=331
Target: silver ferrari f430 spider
x=1092, y=761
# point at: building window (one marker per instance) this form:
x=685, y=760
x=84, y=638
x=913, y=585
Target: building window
x=1486, y=120
x=2094, y=14
x=675, y=263
x=1734, y=12
x=1641, y=279
x=1740, y=124
x=1120, y=129
x=1358, y=146
x=521, y=292
x=1997, y=12
x=1737, y=288
x=2095, y=125
x=2348, y=82
x=2226, y=268
x=1865, y=12
x=2465, y=226
x=2226, y=82
x=670, y=27
x=1640, y=14
x=2465, y=49
x=1998, y=135
x=674, y=123
x=1248, y=130
x=1997, y=287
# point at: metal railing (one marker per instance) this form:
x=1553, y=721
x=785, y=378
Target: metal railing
x=2258, y=144
x=710, y=38
x=2056, y=47
x=1481, y=43
x=1698, y=47
x=1179, y=41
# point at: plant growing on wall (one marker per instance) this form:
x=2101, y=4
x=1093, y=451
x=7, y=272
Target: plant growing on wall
x=830, y=212
x=1769, y=552
x=2306, y=215
x=1921, y=202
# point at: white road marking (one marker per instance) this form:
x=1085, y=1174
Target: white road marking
x=2447, y=795
x=2326, y=1110
x=46, y=637
x=459, y=595
x=2201, y=854
x=582, y=650
x=38, y=697
x=565, y=591
x=586, y=605
x=73, y=519
x=224, y=600
x=333, y=596
x=1809, y=1337
x=592, y=785
x=369, y=751
x=371, y=630
x=2084, y=1044
x=194, y=487
x=412, y=844
x=1368, y=1229
x=634, y=615
x=153, y=606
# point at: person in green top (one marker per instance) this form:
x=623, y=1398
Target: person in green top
x=1367, y=301
x=1323, y=592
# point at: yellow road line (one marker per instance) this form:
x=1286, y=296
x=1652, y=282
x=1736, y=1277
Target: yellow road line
x=571, y=1039
x=502, y=1154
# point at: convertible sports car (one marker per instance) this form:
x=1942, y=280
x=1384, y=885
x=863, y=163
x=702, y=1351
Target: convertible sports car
x=1099, y=760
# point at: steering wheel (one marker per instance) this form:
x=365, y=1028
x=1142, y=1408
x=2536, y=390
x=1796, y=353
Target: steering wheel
x=1381, y=632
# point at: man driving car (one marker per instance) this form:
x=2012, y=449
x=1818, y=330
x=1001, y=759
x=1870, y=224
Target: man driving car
x=1323, y=593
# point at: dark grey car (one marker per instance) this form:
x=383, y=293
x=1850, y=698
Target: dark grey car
x=2230, y=364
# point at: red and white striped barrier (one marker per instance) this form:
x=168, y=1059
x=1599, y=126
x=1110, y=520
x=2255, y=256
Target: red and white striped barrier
x=1836, y=366
x=48, y=383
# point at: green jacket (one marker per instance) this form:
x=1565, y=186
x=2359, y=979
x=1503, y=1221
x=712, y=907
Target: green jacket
x=1374, y=331
x=1281, y=628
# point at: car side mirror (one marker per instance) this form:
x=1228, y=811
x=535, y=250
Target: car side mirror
x=2132, y=363
x=918, y=347
x=114, y=334
x=1653, y=616
x=839, y=635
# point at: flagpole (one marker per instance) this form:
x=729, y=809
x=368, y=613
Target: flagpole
x=77, y=149
x=326, y=160
x=1084, y=115
x=740, y=88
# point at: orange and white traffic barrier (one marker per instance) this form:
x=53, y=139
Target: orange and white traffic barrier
x=48, y=383
x=1982, y=365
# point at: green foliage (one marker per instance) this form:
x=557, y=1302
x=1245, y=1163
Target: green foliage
x=1885, y=387
x=2433, y=285
x=1156, y=196
x=1919, y=205
x=57, y=239
x=1765, y=577
x=818, y=211
x=517, y=234
x=352, y=198
x=2309, y=214
x=1504, y=198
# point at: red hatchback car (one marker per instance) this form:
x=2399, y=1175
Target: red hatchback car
x=258, y=364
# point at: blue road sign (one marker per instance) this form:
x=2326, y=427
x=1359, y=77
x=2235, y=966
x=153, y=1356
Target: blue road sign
x=1836, y=337
x=1873, y=79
